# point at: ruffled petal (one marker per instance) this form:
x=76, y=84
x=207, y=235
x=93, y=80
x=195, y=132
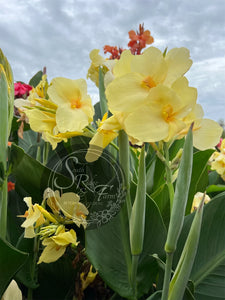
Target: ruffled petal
x=64, y=90
x=147, y=124
x=150, y=63
x=207, y=135
x=126, y=93
x=178, y=63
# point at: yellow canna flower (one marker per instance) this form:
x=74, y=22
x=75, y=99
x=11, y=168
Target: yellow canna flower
x=218, y=163
x=55, y=246
x=136, y=75
x=69, y=204
x=106, y=133
x=160, y=115
x=75, y=110
x=206, y=132
x=34, y=218
x=96, y=62
x=197, y=200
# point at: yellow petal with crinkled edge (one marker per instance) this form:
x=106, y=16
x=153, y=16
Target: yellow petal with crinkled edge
x=150, y=63
x=146, y=124
x=178, y=62
x=97, y=59
x=123, y=65
x=126, y=93
x=40, y=121
x=206, y=134
x=186, y=93
x=63, y=90
x=51, y=252
x=65, y=238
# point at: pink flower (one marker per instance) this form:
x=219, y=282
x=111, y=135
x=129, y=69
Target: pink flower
x=21, y=89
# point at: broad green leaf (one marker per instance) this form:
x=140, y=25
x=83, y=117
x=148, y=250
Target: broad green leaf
x=36, y=79
x=56, y=280
x=105, y=250
x=208, y=272
x=24, y=275
x=199, y=177
x=30, y=138
x=31, y=176
x=11, y=260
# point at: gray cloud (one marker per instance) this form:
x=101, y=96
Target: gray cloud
x=60, y=35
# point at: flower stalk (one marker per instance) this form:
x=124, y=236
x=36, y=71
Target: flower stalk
x=178, y=208
x=137, y=219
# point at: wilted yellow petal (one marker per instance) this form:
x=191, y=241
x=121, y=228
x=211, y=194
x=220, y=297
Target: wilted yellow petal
x=51, y=252
x=65, y=238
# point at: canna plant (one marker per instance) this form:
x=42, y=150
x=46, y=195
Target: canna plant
x=128, y=217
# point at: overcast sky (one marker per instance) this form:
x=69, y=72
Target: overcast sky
x=60, y=34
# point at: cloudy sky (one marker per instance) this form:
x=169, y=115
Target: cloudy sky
x=60, y=34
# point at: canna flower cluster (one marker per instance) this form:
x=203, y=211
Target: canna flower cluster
x=151, y=100
x=60, y=110
x=218, y=160
x=51, y=226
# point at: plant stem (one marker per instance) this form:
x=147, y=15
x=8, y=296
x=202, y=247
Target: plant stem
x=135, y=259
x=3, y=209
x=126, y=209
x=169, y=175
x=124, y=160
x=168, y=270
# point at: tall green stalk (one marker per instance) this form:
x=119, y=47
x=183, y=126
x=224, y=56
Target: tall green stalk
x=137, y=219
x=3, y=153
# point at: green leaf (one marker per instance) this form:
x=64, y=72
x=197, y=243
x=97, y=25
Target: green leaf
x=199, y=177
x=215, y=188
x=112, y=268
x=31, y=176
x=208, y=272
x=36, y=79
x=11, y=260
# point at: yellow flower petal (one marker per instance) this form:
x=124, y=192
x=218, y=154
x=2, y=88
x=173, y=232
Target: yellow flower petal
x=71, y=119
x=40, y=121
x=150, y=63
x=125, y=93
x=51, y=252
x=65, y=238
x=147, y=124
x=207, y=134
x=63, y=90
x=178, y=63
